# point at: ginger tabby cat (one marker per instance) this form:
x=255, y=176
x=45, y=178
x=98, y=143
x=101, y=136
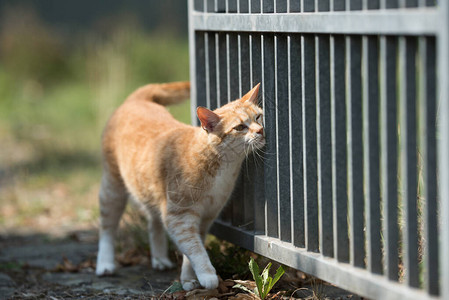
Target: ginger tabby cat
x=180, y=175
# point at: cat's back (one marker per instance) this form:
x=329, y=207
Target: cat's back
x=138, y=125
x=143, y=112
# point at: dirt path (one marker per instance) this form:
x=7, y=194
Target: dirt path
x=40, y=266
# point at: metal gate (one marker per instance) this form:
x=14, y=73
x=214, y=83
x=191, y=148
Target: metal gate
x=354, y=186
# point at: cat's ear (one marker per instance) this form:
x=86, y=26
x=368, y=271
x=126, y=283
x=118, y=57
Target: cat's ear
x=252, y=95
x=208, y=118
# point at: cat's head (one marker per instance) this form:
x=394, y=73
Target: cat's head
x=237, y=125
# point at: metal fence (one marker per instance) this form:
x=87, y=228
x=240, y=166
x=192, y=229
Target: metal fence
x=354, y=187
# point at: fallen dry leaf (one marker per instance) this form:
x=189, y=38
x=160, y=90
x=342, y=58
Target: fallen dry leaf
x=68, y=266
x=225, y=286
x=200, y=294
x=242, y=296
x=249, y=284
x=132, y=257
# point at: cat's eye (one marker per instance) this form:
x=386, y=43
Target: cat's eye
x=240, y=127
x=259, y=118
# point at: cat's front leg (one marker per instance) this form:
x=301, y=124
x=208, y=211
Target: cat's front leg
x=184, y=231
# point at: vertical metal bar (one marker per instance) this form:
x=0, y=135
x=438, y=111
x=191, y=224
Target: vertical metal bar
x=237, y=199
x=443, y=144
x=237, y=202
x=296, y=143
x=193, y=64
x=407, y=99
x=222, y=67
x=259, y=187
x=371, y=153
x=389, y=164
x=211, y=71
x=270, y=134
x=339, y=159
x=228, y=68
x=364, y=4
x=245, y=83
x=247, y=168
x=200, y=67
x=217, y=68
x=282, y=140
x=206, y=67
x=232, y=212
x=427, y=133
x=233, y=67
x=355, y=150
x=324, y=144
x=282, y=133
x=239, y=62
x=309, y=141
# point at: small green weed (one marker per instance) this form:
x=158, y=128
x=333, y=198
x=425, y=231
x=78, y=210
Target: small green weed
x=11, y=265
x=264, y=282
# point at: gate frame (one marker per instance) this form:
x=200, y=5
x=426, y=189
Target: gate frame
x=428, y=21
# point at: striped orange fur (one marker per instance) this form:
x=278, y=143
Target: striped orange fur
x=181, y=176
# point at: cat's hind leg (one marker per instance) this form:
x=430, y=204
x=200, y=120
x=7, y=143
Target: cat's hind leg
x=158, y=243
x=113, y=198
x=188, y=276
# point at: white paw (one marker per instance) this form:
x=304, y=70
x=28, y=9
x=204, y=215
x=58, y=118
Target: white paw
x=208, y=281
x=161, y=263
x=191, y=284
x=104, y=269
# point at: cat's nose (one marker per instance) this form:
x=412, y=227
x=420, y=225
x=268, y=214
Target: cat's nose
x=260, y=131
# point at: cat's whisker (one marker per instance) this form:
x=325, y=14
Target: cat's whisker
x=264, y=152
x=253, y=152
x=259, y=157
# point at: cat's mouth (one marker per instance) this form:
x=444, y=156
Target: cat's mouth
x=257, y=142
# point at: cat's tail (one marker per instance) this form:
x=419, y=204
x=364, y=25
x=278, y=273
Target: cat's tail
x=164, y=93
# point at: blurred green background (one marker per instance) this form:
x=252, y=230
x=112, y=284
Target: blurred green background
x=64, y=67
